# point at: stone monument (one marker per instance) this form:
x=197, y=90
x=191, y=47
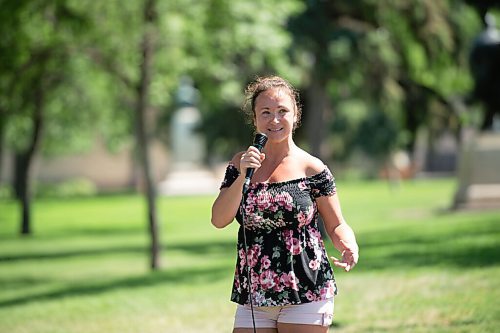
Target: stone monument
x=479, y=167
x=187, y=174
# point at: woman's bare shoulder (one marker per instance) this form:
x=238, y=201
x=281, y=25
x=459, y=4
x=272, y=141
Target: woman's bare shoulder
x=312, y=165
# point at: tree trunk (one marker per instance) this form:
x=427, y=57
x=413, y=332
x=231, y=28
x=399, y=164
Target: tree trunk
x=317, y=123
x=22, y=190
x=146, y=49
x=24, y=162
x=317, y=111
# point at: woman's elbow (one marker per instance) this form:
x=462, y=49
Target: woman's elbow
x=218, y=220
x=221, y=216
x=218, y=223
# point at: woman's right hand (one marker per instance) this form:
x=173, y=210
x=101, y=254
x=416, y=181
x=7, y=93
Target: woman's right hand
x=227, y=203
x=252, y=158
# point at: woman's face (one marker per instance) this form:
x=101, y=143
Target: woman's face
x=275, y=114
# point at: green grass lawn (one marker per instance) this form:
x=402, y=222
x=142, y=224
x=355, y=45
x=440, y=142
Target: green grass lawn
x=85, y=269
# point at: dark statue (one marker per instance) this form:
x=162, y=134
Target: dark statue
x=478, y=176
x=485, y=69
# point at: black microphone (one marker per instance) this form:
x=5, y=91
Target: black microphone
x=259, y=141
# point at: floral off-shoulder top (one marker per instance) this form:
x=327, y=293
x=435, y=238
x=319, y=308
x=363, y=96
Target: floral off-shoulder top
x=286, y=255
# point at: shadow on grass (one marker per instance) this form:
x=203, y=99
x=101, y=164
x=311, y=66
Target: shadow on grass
x=74, y=232
x=175, y=276
x=40, y=255
x=21, y=282
x=472, y=246
x=474, y=257
x=199, y=248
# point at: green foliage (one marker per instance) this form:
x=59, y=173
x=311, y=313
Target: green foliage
x=229, y=43
x=44, y=57
x=402, y=60
x=372, y=139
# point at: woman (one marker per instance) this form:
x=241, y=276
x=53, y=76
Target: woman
x=291, y=280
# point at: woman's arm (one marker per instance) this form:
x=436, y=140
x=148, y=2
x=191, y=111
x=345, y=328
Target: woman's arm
x=227, y=203
x=339, y=231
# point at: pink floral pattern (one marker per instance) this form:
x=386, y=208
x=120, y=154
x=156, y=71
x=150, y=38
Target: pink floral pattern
x=286, y=255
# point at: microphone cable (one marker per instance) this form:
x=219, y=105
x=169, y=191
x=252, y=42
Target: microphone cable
x=259, y=142
x=245, y=244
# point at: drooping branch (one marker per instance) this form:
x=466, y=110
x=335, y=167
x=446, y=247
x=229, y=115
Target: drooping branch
x=106, y=63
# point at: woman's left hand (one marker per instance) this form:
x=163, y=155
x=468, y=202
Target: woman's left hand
x=350, y=256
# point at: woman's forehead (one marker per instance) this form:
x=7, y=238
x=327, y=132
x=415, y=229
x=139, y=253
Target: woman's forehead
x=274, y=96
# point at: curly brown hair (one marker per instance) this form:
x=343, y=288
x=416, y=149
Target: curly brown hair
x=261, y=84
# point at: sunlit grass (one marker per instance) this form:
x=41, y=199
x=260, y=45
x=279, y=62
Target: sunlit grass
x=85, y=269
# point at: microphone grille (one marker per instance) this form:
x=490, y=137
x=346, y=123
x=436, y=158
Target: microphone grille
x=260, y=140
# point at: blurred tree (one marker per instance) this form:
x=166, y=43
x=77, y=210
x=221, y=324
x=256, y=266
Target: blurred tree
x=315, y=30
x=227, y=44
x=433, y=45
x=146, y=49
x=220, y=44
x=393, y=61
x=37, y=64
x=124, y=43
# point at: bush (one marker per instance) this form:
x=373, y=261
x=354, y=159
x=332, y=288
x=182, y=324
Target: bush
x=80, y=187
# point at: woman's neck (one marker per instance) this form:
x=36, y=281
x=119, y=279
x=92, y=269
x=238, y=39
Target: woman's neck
x=278, y=151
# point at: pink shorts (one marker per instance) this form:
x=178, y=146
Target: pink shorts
x=314, y=313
